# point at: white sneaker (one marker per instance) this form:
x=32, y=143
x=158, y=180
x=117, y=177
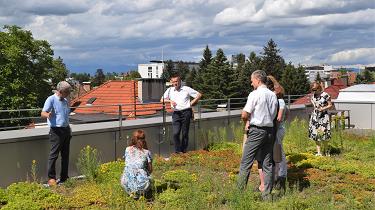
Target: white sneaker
x=318, y=154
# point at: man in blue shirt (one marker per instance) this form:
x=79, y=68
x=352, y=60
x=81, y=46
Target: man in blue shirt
x=56, y=110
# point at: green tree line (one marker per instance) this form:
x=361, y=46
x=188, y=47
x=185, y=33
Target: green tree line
x=218, y=78
x=29, y=73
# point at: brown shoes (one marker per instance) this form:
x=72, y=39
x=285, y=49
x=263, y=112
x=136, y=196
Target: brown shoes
x=52, y=182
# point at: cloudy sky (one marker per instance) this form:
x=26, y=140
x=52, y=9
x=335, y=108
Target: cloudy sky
x=119, y=34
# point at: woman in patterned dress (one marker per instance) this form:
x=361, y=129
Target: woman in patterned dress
x=319, y=126
x=138, y=166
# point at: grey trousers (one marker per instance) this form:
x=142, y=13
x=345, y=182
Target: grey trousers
x=258, y=140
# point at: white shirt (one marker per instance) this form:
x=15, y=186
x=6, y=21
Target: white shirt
x=262, y=107
x=282, y=106
x=181, y=97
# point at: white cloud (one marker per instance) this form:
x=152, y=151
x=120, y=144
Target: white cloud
x=45, y=7
x=352, y=18
x=54, y=29
x=84, y=32
x=268, y=10
x=354, y=56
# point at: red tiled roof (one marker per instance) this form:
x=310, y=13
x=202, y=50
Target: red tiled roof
x=112, y=93
x=332, y=90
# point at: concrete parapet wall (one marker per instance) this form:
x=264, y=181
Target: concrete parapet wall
x=19, y=147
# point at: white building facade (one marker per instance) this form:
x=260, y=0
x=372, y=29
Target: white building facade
x=324, y=72
x=360, y=100
x=151, y=70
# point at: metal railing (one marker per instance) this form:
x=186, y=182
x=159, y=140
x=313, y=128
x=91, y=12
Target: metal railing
x=289, y=99
x=120, y=112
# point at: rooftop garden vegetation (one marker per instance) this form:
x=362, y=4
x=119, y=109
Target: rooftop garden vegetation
x=206, y=179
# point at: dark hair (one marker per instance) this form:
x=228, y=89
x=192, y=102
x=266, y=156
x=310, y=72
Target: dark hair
x=174, y=75
x=139, y=139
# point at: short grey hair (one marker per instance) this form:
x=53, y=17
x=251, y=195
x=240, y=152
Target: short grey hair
x=261, y=75
x=63, y=86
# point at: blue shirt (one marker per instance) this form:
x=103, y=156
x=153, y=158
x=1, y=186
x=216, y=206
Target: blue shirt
x=59, y=111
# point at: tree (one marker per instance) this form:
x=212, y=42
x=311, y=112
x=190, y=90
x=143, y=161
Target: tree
x=111, y=76
x=190, y=78
x=302, y=84
x=343, y=71
x=294, y=80
x=24, y=71
x=251, y=64
x=364, y=78
x=272, y=62
x=131, y=75
x=168, y=70
x=59, y=71
x=81, y=77
x=219, y=79
x=204, y=62
x=367, y=76
x=207, y=57
x=236, y=87
x=99, y=78
x=182, y=69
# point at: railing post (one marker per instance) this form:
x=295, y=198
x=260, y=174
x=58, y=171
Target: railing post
x=120, y=128
x=199, y=113
x=228, y=109
x=164, y=112
x=289, y=102
x=135, y=101
x=228, y=106
x=120, y=115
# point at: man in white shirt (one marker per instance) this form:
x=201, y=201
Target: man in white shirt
x=260, y=110
x=179, y=98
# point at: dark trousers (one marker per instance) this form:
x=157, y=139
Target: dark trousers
x=59, y=138
x=258, y=140
x=181, y=123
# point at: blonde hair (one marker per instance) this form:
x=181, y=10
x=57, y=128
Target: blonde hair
x=279, y=90
x=318, y=88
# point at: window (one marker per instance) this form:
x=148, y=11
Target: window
x=90, y=101
x=149, y=72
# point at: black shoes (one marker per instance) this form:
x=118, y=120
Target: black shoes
x=280, y=184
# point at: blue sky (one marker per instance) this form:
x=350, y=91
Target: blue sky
x=117, y=35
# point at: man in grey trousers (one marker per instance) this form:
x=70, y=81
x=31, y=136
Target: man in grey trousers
x=260, y=110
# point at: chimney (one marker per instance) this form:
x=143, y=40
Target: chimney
x=86, y=86
x=150, y=90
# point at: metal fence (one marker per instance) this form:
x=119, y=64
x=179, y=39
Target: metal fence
x=27, y=118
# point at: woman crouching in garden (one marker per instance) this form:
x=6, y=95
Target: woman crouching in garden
x=136, y=178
